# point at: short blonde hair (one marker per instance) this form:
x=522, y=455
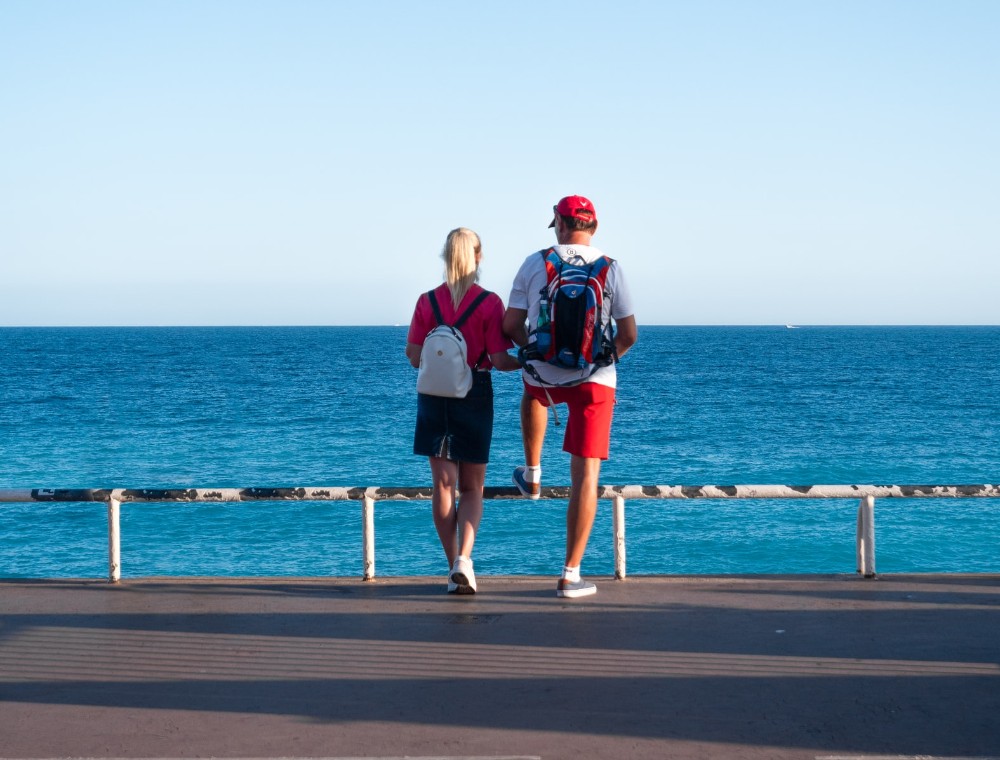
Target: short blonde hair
x=460, y=267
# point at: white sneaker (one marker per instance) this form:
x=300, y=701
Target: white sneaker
x=574, y=589
x=452, y=587
x=463, y=576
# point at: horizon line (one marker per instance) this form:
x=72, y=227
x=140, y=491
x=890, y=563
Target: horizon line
x=400, y=325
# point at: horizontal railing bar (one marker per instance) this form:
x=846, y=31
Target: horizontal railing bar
x=337, y=493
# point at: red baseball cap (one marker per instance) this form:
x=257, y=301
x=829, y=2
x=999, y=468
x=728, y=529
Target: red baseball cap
x=575, y=206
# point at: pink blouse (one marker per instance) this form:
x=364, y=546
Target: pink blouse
x=483, y=328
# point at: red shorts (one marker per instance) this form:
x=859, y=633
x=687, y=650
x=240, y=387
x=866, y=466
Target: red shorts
x=588, y=432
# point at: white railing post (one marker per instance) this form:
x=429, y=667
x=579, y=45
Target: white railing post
x=114, y=541
x=866, y=537
x=368, y=522
x=618, y=525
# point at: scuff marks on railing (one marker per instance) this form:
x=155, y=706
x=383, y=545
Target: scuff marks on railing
x=160, y=494
x=68, y=494
x=424, y=493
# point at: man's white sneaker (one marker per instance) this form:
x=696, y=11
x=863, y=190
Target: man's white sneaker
x=574, y=589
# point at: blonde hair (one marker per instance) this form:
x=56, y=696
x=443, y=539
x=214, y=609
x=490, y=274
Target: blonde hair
x=460, y=267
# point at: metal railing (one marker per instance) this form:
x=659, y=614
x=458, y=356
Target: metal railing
x=865, y=537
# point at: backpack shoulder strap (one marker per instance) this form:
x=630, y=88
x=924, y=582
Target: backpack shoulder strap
x=604, y=262
x=550, y=256
x=553, y=263
x=435, y=307
x=472, y=307
x=601, y=267
x=466, y=314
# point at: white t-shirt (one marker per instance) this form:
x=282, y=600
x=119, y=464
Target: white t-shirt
x=524, y=294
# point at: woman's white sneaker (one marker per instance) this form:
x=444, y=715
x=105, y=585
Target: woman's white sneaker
x=463, y=576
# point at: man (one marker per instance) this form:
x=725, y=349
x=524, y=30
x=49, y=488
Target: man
x=588, y=391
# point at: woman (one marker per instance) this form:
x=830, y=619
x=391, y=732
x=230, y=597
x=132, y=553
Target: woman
x=455, y=433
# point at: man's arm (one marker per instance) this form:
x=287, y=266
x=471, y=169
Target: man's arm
x=627, y=334
x=504, y=362
x=513, y=325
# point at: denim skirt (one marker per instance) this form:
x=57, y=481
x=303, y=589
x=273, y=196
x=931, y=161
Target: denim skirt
x=460, y=429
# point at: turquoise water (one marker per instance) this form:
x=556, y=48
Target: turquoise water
x=173, y=407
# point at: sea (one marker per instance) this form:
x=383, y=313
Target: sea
x=334, y=406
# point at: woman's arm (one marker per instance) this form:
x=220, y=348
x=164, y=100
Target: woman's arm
x=413, y=354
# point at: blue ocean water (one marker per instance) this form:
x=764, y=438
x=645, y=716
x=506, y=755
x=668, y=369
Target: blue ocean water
x=333, y=406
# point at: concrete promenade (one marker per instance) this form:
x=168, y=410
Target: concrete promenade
x=650, y=667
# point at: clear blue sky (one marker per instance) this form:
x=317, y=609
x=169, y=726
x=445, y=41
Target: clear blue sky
x=289, y=162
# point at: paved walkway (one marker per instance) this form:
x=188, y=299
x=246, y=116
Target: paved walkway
x=744, y=667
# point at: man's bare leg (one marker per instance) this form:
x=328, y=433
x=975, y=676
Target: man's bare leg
x=585, y=472
x=534, y=419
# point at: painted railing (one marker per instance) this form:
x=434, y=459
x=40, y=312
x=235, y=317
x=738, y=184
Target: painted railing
x=865, y=538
